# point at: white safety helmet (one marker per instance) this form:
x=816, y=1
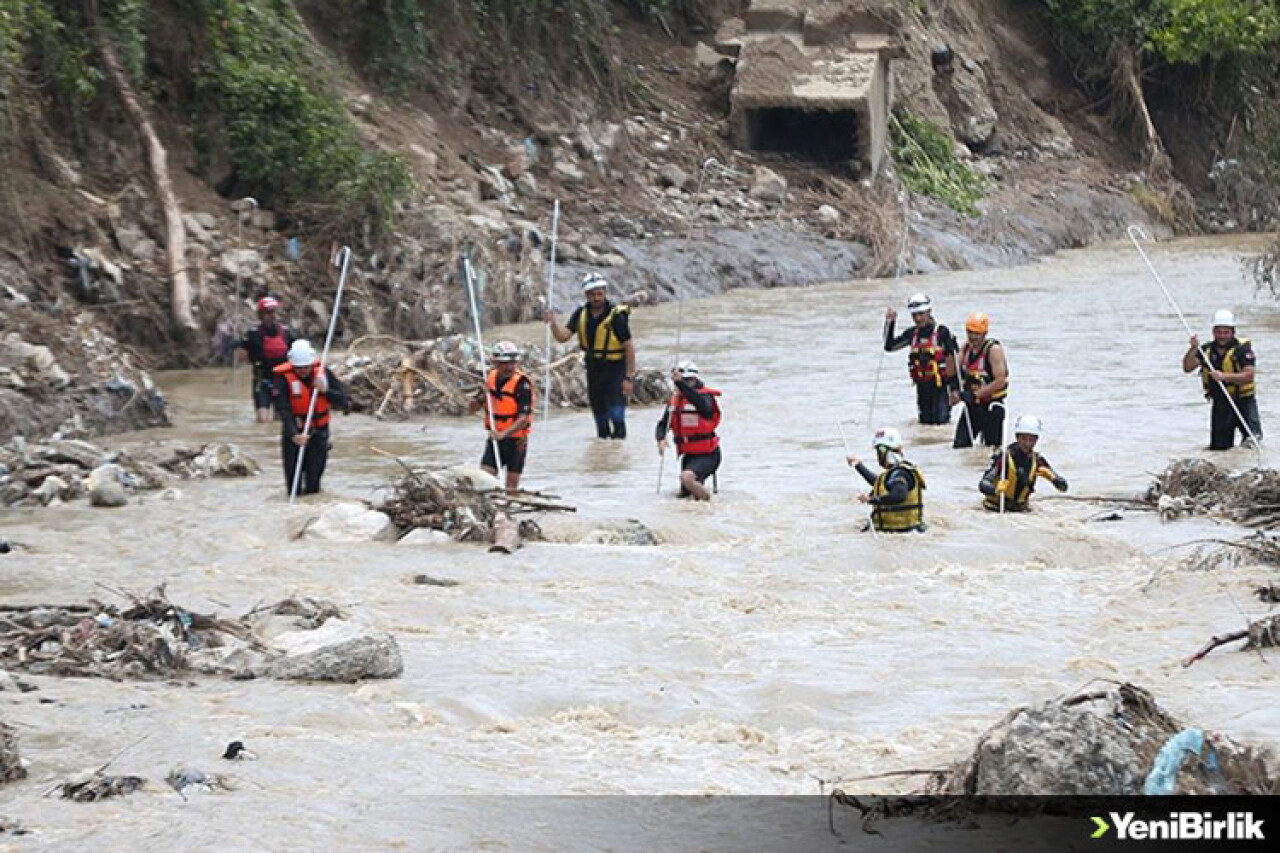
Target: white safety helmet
x=687, y=368
x=302, y=353
x=887, y=438
x=1224, y=318
x=919, y=304
x=505, y=351
x=593, y=281
x=1027, y=425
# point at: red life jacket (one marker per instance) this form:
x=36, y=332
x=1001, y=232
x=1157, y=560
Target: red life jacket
x=927, y=360
x=695, y=435
x=503, y=403
x=300, y=396
x=976, y=368
x=275, y=348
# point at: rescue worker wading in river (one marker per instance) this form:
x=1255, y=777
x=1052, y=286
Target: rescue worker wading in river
x=931, y=360
x=267, y=347
x=692, y=415
x=1228, y=360
x=984, y=381
x=296, y=380
x=604, y=334
x=1014, y=471
x=511, y=401
x=897, y=492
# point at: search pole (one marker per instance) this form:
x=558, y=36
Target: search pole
x=484, y=365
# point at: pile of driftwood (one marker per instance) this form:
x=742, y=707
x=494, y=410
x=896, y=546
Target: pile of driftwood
x=396, y=379
x=1199, y=487
x=467, y=507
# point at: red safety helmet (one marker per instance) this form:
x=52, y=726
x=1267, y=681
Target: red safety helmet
x=268, y=303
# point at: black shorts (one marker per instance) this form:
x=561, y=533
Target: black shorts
x=703, y=465
x=512, y=452
x=263, y=391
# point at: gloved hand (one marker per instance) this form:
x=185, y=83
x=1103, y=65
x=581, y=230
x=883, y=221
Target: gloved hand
x=1060, y=483
x=1002, y=486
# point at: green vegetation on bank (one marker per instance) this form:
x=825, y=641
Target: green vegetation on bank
x=927, y=164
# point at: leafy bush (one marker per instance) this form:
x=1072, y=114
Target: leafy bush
x=927, y=164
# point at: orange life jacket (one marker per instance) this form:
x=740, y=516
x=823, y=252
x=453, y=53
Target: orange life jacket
x=927, y=360
x=300, y=396
x=694, y=434
x=502, y=401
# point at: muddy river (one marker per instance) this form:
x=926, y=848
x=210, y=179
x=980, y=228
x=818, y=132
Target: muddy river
x=766, y=645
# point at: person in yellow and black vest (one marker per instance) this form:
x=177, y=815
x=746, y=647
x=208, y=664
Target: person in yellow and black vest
x=984, y=383
x=296, y=381
x=267, y=347
x=931, y=359
x=511, y=403
x=897, y=491
x=604, y=333
x=1014, y=471
x=1227, y=361
x=692, y=416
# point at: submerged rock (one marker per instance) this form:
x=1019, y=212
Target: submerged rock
x=351, y=523
x=106, y=486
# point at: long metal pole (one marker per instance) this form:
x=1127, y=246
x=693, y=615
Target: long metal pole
x=484, y=365
x=848, y=452
x=1134, y=232
x=551, y=284
x=343, y=261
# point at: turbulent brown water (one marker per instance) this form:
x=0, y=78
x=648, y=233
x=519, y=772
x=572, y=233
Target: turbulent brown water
x=768, y=644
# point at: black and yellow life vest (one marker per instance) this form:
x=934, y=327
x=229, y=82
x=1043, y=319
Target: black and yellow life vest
x=1019, y=486
x=606, y=346
x=1228, y=364
x=903, y=517
x=975, y=369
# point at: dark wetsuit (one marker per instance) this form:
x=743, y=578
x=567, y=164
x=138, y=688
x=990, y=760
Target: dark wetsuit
x=264, y=363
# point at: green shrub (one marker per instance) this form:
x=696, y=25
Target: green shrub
x=927, y=164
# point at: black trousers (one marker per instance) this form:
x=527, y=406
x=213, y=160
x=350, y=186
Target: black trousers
x=1223, y=423
x=313, y=462
x=604, y=391
x=933, y=403
x=984, y=423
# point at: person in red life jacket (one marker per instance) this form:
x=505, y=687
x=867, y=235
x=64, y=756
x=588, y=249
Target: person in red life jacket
x=1227, y=363
x=267, y=347
x=295, y=382
x=692, y=416
x=931, y=359
x=984, y=379
x=511, y=403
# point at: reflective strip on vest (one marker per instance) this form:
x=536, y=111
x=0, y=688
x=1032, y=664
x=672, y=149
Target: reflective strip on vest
x=899, y=518
x=606, y=346
x=1228, y=365
x=977, y=371
x=503, y=403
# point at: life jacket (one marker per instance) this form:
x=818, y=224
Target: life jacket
x=605, y=346
x=694, y=434
x=927, y=360
x=975, y=369
x=275, y=348
x=903, y=517
x=1017, y=492
x=300, y=396
x=502, y=401
x=1228, y=364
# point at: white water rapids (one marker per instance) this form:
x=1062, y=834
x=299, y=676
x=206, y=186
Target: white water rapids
x=765, y=645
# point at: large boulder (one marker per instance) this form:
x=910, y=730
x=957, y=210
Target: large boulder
x=348, y=522
x=225, y=460
x=106, y=486
x=768, y=186
x=963, y=91
x=336, y=651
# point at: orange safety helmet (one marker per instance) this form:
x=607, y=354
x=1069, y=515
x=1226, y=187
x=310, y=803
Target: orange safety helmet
x=977, y=322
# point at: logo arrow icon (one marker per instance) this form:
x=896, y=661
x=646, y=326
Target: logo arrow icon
x=1103, y=826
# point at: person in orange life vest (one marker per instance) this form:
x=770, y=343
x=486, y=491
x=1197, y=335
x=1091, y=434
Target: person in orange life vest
x=692, y=417
x=984, y=375
x=511, y=401
x=931, y=360
x=1230, y=361
x=267, y=347
x=296, y=380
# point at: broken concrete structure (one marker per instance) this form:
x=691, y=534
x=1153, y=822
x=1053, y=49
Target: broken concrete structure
x=813, y=79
